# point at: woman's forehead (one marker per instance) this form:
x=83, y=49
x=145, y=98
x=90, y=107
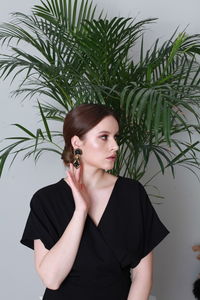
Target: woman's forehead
x=107, y=125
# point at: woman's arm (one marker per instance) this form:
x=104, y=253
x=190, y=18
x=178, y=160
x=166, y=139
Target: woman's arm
x=53, y=265
x=142, y=279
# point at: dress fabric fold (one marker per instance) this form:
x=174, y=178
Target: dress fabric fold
x=128, y=230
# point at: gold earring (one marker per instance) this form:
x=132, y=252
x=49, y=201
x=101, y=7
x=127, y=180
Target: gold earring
x=76, y=161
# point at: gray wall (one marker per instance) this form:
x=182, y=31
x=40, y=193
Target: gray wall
x=174, y=260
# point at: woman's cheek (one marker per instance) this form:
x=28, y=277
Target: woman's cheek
x=97, y=144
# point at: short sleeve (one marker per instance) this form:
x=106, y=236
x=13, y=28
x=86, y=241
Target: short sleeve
x=38, y=225
x=154, y=231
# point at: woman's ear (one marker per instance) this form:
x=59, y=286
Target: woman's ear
x=76, y=142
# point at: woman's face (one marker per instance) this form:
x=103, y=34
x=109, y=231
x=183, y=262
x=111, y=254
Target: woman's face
x=100, y=143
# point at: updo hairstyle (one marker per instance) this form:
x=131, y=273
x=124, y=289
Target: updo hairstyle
x=79, y=121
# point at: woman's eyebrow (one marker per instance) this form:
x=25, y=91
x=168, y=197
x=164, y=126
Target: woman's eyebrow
x=105, y=131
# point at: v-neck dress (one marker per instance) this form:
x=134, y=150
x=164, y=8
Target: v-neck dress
x=128, y=230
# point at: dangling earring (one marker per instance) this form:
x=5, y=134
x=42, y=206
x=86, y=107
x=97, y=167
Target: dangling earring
x=76, y=162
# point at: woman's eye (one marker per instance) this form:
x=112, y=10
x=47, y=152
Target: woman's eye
x=104, y=136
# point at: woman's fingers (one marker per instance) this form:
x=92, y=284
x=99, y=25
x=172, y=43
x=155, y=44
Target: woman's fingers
x=72, y=171
x=75, y=179
x=81, y=173
x=75, y=175
x=70, y=174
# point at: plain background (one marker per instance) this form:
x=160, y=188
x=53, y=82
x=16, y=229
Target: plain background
x=175, y=264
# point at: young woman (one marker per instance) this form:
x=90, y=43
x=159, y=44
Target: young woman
x=93, y=233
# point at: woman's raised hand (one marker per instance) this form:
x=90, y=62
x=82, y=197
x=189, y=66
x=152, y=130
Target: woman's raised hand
x=74, y=180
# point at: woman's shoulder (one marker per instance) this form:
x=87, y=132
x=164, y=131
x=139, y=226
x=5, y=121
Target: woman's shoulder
x=50, y=191
x=130, y=186
x=126, y=180
x=51, y=187
x=129, y=181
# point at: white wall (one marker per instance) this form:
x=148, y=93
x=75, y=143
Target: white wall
x=175, y=265
x=18, y=278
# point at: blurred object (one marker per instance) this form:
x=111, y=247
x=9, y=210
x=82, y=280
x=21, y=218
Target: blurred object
x=196, y=248
x=196, y=289
x=196, y=284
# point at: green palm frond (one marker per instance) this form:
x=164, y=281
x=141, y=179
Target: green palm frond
x=31, y=141
x=105, y=45
x=58, y=64
x=68, y=14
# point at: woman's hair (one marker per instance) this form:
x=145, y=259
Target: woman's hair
x=79, y=121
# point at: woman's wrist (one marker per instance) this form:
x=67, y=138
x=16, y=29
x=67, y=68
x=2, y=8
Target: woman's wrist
x=81, y=211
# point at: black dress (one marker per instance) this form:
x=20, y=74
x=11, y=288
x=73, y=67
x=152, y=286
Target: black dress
x=127, y=231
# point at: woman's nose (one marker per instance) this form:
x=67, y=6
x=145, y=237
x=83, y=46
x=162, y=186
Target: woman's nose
x=114, y=145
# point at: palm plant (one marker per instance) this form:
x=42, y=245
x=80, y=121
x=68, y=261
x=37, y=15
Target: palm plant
x=79, y=57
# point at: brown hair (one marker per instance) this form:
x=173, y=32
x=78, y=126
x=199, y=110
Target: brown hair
x=79, y=121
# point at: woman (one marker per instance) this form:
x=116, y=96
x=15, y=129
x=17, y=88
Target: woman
x=92, y=232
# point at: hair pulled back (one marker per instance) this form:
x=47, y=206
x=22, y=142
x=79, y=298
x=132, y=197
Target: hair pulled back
x=79, y=121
